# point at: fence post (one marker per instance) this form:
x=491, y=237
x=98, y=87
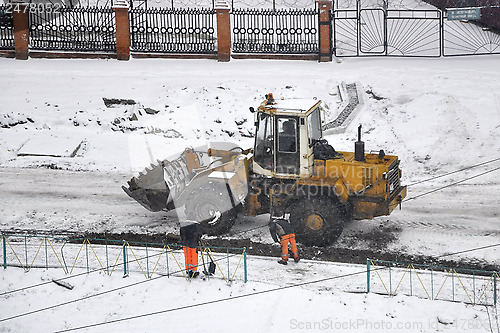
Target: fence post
x=223, y=31
x=4, y=252
x=122, y=30
x=325, y=30
x=21, y=29
x=245, y=263
x=86, y=242
x=46, y=254
x=368, y=275
x=125, y=259
x=495, y=288
x=147, y=261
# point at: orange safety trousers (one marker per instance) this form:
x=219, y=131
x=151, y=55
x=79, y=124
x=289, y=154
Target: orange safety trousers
x=191, y=258
x=285, y=240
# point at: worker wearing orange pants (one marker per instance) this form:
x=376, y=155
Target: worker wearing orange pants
x=190, y=239
x=191, y=259
x=281, y=228
x=285, y=240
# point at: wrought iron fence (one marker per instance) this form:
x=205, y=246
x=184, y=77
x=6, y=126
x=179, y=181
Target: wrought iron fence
x=273, y=4
x=468, y=38
x=345, y=33
x=275, y=31
x=173, y=30
x=6, y=29
x=73, y=29
x=432, y=282
x=114, y=256
x=414, y=33
x=355, y=32
x=240, y=4
x=408, y=33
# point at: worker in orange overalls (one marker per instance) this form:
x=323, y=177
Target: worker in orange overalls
x=190, y=239
x=282, y=230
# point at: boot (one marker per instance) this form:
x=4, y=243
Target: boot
x=195, y=274
x=296, y=259
x=282, y=262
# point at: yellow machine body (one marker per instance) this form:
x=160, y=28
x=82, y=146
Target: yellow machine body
x=291, y=171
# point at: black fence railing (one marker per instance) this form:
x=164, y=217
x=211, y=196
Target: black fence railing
x=6, y=29
x=173, y=30
x=354, y=32
x=292, y=31
x=73, y=29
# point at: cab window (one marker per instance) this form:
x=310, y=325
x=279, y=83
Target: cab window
x=264, y=149
x=287, y=135
x=314, y=126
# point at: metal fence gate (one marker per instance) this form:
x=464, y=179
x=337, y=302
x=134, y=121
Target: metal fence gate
x=289, y=31
x=413, y=33
x=468, y=38
x=408, y=33
x=173, y=30
x=73, y=29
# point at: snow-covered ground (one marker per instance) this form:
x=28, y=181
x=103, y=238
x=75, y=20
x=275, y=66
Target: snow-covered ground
x=264, y=304
x=437, y=115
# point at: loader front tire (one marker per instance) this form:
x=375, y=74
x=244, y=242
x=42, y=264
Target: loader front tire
x=211, y=205
x=317, y=221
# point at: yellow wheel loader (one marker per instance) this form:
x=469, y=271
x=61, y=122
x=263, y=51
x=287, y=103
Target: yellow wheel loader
x=291, y=171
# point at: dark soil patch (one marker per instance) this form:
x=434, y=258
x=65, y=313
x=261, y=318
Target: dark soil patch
x=376, y=239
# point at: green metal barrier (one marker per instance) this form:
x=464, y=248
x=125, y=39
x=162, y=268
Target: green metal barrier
x=432, y=282
x=106, y=255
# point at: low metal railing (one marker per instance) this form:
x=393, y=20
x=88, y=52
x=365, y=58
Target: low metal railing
x=107, y=256
x=471, y=286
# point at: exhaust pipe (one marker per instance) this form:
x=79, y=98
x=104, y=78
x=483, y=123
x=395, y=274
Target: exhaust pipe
x=359, y=148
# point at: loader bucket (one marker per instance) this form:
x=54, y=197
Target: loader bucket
x=152, y=200
x=149, y=189
x=157, y=187
x=160, y=185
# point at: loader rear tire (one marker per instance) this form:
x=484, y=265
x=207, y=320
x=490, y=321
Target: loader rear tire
x=211, y=206
x=317, y=221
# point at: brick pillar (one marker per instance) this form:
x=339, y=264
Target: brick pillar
x=223, y=31
x=325, y=30
x=21, y=29
x=122, y=30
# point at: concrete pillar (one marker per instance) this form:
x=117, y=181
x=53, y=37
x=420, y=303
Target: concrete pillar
x=223, y=30
x=122, y=30
x=21, y=29
x=325, y=30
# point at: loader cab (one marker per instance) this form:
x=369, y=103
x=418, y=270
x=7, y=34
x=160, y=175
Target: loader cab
x=285, y=133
